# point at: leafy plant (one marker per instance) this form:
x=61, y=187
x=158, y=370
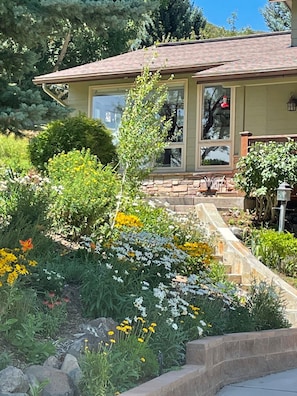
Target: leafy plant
x=266, y=307
x=84, y=192
x=118, y=365
x=272, y=247
x=72, y=133
x=142, y=132
x=14, y=153
x=24, y=202
x=261, y=171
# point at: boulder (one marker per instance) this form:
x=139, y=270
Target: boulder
x=59, y=383
x=13, y=380
x=71, y=367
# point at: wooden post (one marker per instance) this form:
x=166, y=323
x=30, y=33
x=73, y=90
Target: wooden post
x=244, y=142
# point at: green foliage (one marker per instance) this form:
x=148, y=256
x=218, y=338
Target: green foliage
x=174, y=20
x=21, y=324
x=276, y=250
x=25, y=339
x=69, y=134
x=33, y=40
x=14, y=153
x=142, y=133
x=266, y=307
x=118, y=365
x=277, y=16
x=84, y=192
x=96, y=372
x=24, y=205
x=261, y=171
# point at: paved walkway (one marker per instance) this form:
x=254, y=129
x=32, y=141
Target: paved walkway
x=280, y=384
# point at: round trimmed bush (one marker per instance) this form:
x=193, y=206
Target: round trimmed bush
x=72, y=133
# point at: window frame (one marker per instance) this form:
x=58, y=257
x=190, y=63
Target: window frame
x=214, y=142
x=181, y=83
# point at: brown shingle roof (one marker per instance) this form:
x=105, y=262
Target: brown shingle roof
x=207, y=59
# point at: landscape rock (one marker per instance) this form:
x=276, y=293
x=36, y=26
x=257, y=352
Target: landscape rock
x=61, y=373
x=13, y=380
x=59, y=383
x=93, y=334
x=71, y=367
x=14, y=394
x=52, y=361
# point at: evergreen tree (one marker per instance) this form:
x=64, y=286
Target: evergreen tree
x=35, y=37
x=277, y=16
x=174, y=20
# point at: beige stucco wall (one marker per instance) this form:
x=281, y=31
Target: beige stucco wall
x=260, y=107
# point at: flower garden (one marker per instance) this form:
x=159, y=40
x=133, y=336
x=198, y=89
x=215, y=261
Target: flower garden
x=154, y=273
x=77, y=222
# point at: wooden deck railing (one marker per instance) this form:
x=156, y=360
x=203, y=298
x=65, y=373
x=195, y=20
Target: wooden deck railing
x=247, y=140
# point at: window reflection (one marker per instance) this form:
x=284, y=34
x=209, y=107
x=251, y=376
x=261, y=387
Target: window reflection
x=171, y=158
x=215, y=155
x=109, y=107
x=216, y=113
x=174, y=109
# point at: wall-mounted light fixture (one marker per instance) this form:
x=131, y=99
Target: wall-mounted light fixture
x=292, y=103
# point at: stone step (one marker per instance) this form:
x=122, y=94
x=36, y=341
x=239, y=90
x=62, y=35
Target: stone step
x=228, y=268
x=180, y=203
x=235, y=278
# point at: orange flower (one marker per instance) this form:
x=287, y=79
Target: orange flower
x=92, y=245
x=26, y=245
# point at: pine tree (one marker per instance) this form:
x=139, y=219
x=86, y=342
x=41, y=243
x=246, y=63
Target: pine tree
x=174, y=20
x=35, y=37
x=277, y=16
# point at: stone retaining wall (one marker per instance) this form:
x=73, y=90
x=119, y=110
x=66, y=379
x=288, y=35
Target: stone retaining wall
x=187, y=184
x=213, y=362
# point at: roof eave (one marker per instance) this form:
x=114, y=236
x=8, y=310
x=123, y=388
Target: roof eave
x=244, y=75
x=117, y=75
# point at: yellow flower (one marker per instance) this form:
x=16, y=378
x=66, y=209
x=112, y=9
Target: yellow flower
x=140, y=339
x=12, y=277
x=142, y=359
x=113, y=341
x=111, y=332
x=145, y=330
x=151, y=329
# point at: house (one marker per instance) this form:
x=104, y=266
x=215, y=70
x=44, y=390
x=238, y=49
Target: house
x=225, y=92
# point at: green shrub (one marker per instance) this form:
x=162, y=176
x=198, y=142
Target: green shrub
x=273, y=247
x=267, y=308
x=72, y=133
x=84, y=192
x=14, y=153
x=260, y=172
x=23, y=208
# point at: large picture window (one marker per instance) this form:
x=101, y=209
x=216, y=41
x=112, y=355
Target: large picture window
x=108, y=105
x=215, y=131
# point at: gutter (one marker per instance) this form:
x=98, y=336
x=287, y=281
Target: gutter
x=53, y=96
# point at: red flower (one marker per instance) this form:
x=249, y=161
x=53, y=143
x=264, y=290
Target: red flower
x=51, y=294
x=26, y=245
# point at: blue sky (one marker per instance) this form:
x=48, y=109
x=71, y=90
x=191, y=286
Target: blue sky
x=248, y=14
